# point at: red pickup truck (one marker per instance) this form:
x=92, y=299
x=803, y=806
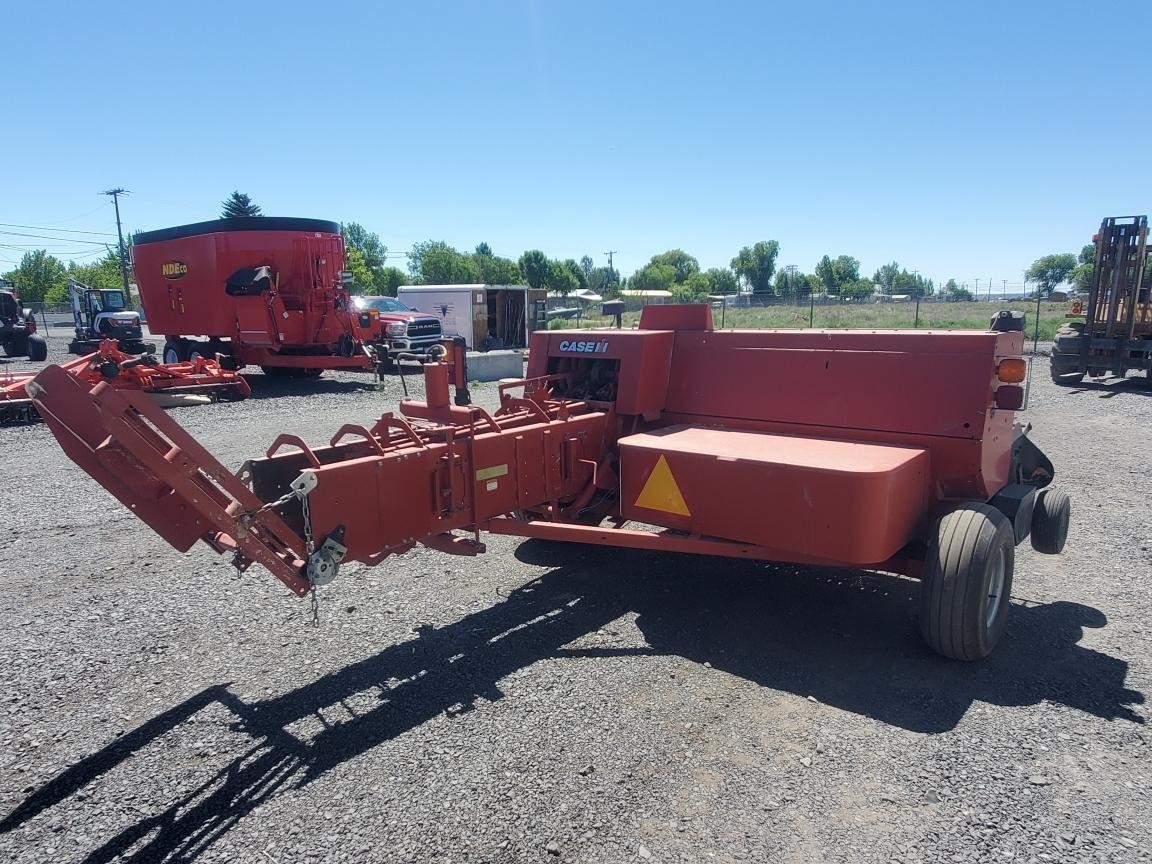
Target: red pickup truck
x=402, y=330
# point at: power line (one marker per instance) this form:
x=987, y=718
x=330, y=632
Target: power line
x=61, y=239
x=82, y=215
x=74, y=253
x=61, y=230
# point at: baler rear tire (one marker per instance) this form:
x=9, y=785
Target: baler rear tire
x=37, y=348
x=14, y=347
x=1050, y=521
x=967, y=584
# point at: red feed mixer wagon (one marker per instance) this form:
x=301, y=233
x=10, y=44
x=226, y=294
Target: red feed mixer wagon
x=264, y=291
x=894, y=451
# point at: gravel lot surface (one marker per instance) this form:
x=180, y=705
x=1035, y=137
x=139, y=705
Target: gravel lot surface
x=562, y=704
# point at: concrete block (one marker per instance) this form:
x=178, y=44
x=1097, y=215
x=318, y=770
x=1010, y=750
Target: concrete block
x=494, y=365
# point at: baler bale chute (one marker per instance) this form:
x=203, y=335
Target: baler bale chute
x=167, y=384
x=893, y=451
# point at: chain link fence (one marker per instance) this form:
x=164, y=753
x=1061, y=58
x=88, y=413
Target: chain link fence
x=749, y=312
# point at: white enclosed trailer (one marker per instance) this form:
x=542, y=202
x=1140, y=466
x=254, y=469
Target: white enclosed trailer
x=487, y=316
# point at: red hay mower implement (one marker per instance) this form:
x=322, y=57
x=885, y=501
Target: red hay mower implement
x=111, y=367
x=895, y=451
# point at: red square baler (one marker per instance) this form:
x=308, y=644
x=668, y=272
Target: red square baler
x=888, y=450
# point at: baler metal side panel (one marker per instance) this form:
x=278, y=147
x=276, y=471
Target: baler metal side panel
x=888, y=382
x=807, y=497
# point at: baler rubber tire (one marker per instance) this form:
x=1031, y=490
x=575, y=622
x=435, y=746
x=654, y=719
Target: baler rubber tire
x=959, y=573
x=37, y=348
x=1050, y=521
x=14, y=347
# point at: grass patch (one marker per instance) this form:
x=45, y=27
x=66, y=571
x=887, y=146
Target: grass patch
x=870, y=316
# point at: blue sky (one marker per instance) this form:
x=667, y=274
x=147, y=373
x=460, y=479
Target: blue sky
x=963, y=140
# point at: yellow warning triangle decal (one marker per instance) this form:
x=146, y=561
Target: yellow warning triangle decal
x=661, y=491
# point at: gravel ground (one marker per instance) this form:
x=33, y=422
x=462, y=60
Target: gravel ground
x=573, y=703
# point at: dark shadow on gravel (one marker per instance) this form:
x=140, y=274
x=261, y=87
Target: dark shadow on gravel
x=1111, y=388
x=846, y=638
x=269, y=387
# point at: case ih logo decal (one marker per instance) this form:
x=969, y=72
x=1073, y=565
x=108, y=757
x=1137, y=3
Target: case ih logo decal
x=173, y=269
x=580, y=347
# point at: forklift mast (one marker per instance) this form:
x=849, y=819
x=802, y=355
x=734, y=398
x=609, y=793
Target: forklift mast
x=1118, y=300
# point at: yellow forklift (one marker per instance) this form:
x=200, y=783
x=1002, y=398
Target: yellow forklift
x=1115, y=335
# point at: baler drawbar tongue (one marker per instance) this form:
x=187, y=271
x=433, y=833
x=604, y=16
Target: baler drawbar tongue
x=152, y=466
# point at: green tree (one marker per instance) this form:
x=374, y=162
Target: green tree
x=653, y=277
x=1081, y=276
x=835, y=273
x=374, y=252
x=362, y=281
x=957, y=292
x=857, y=288
x=683, y=263
x=534, y=265
x=723, y=280
x=604, y=281
x=756, y=264
x=434, y=262
x=103, y=273
x=789, y=284
x=1051, y=271
x=39, y=277
x=369, y=254
x=491, y=269
x=495, y=270
x=238, y=204
x=893, y=279
x=695, y=289
x=390, y=279
x=577, y=271
x=587, y=267
x=560, y=279
x=443, y=265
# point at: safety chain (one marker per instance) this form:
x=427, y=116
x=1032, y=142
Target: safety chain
x=309, y=548
x=309, y=544
x=272, y=505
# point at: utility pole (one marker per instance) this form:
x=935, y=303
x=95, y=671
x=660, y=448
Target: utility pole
x=115, y=194
x=611, y=269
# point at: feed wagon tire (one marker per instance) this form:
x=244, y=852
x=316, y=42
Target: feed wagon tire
x=175, y=351
x=967, y=584
x=1050, y=521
